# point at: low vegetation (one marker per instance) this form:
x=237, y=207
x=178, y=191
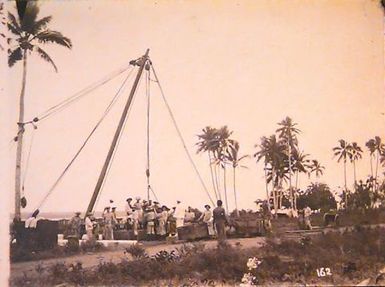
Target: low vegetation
x=349, y=257
x=19, y=253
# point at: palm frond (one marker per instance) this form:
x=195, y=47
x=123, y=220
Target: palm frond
x=41, y=24
x=14, y=56
x=29, y=20
x=45, y=57
x=56, y=37
x=12, y=24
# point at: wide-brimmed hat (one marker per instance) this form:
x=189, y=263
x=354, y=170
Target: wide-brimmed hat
x=128, y=199
x=77, y=212
x=207, y=206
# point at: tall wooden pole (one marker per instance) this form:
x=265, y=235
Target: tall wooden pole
x=141, y=62
x=20, y=133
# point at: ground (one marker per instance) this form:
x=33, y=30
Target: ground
x=116, y=255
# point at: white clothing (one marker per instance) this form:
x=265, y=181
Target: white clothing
x=88, y=224
x=31, y=222
x=179, y=222
x=179, y=211
x=128, y=209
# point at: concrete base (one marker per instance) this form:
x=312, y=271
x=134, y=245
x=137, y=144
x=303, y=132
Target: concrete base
x=106, y=243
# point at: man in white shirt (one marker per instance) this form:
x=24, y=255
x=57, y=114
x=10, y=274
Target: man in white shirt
x=89, y=225
x=31, y=222
x=179, y=214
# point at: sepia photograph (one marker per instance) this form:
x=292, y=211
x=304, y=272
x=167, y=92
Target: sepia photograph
x=192, y=143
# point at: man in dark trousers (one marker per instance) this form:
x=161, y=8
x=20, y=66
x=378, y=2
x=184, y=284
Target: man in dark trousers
x=220, y=220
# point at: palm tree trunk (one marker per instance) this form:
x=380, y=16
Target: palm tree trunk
x=224, y=188
x=20, y=132
x=267, y=191
x=290, y=189
x=212, y=175
x=216, y=175
x=375, y=180
x=295, y=191
x=354, y=170
x=371, y=169
x=346, y=188
x=235, y=193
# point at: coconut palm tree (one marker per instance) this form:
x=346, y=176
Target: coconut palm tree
x=356, y=154
x=28, y=34
x=274, y=154
x=379, y=149
x=343, y=151
x=288, y=133
x=317, y=168
x=371, y=145
x=208, y=143
x=300, y=165
x=234, y=158
x=223, y=140
x=264, y=153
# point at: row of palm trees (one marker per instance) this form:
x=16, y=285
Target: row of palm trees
x=352, y=152
x=283, y=161
x=222, y=152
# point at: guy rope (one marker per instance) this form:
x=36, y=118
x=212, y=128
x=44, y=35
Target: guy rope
x=143, y=64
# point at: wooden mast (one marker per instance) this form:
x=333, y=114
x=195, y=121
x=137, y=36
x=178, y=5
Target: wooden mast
x=141, y=63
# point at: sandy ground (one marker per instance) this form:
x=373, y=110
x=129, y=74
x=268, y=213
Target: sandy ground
x=92, y=259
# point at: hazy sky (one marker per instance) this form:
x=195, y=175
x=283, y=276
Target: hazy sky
x=244, y=64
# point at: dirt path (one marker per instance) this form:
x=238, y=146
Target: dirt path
x=92, y=259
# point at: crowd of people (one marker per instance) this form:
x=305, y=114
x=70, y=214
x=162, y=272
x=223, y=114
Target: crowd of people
x=154, y=218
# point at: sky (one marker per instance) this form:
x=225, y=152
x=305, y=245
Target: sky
x=244, y=64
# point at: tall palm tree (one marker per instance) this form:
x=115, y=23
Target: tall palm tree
x=274, y=154
x=223, y=139
x=371, y=145
x=234, y=158
x=28, y=33
x=317, y=168
x=356, y=154
x=264, y=153
x=300, y=165
x=343, y=151
x=379, y=148
x=288, y=133
x=207, y=143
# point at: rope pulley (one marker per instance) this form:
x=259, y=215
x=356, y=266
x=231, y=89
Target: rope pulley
x=23, y=202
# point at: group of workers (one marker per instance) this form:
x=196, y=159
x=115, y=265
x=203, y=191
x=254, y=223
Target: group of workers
x=154, y=218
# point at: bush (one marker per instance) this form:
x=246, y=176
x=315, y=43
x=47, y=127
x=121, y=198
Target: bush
x=136, y=251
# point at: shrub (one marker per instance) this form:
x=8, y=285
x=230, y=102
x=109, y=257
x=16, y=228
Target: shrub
x=136, y=251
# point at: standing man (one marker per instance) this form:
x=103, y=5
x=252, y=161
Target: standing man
x=220, y=220
x=75, y=225
x=306, y=217
x=179, y=214
x=207, y=217
x=108, y=218
x=89, y=225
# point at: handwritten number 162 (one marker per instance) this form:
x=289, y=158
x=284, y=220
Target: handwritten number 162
x=322, y=272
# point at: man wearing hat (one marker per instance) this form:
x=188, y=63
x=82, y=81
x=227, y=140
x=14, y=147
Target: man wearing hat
x=207, y=217
x=139, y=208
